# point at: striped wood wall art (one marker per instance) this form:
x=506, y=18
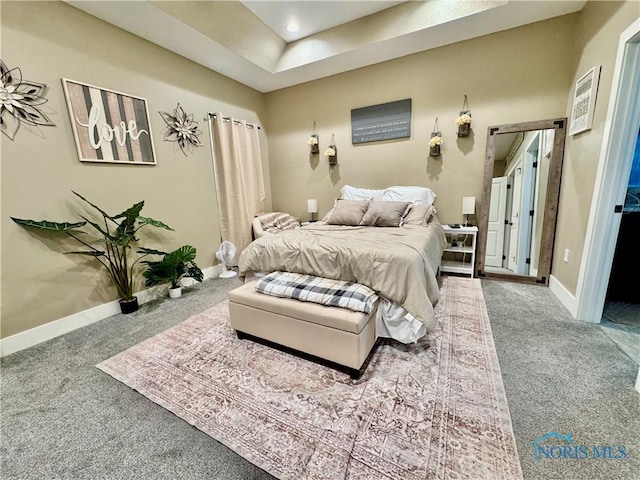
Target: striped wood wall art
x=109, y=126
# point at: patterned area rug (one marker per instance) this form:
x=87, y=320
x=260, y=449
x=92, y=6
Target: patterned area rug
x=434, y=409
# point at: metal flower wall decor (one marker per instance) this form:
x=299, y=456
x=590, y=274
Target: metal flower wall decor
x=182, y=129
x=19, y=101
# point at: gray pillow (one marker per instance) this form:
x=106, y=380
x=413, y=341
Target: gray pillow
x=419, y=215
x=348, y=212
x=385, y=214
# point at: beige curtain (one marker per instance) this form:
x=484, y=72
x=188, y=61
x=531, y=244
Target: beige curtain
x=238, y=177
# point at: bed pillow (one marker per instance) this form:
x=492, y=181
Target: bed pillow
x=419, y=195
x=385, y=214
x=348, y=212
x=419, y=215
x=352, y=193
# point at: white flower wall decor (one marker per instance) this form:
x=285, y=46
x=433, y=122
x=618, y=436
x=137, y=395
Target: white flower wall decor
x=20, y=102
x=182, y=129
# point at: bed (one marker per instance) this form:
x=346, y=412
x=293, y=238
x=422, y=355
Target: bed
x=398, y=261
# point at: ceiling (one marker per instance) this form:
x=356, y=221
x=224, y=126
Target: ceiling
x=248, y=40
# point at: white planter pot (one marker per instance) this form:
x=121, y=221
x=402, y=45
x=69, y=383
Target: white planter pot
x=175, y=292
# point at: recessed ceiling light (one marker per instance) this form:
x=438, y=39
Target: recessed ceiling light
x=293, y=27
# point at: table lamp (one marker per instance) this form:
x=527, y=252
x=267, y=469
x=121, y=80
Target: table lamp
x=468, y=208
x=312, y=208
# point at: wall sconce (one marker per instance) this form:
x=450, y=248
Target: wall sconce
x=468, y=208
x=464, y=120
x=312, y=209
x=314, y=141
x=332, y=152
x=436, y=141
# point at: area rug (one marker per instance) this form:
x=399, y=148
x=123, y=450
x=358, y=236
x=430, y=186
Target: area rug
x=435, y=409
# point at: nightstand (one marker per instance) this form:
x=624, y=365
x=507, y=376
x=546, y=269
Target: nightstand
x=459, y=256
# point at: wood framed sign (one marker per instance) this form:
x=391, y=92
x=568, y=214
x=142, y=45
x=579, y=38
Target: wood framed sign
x=381, y=122
x=109, y=126
x=584, y=101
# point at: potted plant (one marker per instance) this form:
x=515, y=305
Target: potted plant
x=463, y=121
x=332, y=152
x=464, y=124
x=314, y=141
x=117, y=233
x=434, y=144
x=173, y=267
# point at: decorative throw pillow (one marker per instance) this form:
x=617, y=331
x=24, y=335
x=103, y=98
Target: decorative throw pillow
x=348, y=212
x=385, y=214
x=275, y=222
x=419, y=215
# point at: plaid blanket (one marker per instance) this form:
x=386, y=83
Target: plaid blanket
x=308, y=288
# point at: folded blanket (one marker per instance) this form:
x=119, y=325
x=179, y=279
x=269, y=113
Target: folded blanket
x=308, y=288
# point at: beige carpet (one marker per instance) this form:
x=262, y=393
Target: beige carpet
x=433, y=410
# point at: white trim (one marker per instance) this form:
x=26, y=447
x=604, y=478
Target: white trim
x=618, y=141
x=564, y=295
x=638, y=382
x=53, y=329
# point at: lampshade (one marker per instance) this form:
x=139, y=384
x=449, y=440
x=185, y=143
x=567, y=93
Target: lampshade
x=312, y=205
x=468, y=205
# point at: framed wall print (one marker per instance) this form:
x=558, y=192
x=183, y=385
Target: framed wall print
x=109, y=126
x=584, y=101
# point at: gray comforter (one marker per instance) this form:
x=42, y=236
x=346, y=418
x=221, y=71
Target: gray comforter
x=400, y=264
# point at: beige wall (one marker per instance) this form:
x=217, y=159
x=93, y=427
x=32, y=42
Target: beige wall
x=513, y=76
x=596, y=43
x=51, y=40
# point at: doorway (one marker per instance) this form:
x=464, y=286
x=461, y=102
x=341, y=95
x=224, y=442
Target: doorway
x=621, y=314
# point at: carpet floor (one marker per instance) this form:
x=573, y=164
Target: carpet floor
x=434, y=409
x=62, y=418
x=624, y=313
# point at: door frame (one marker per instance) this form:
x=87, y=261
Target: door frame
x=614, y=166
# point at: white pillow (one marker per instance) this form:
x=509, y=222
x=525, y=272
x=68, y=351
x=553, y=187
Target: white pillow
x=352, y=193
x=417, y=195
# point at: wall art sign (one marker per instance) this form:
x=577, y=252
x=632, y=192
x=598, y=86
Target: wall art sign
x=182, y=129
x=20, y=102
x=584, y=101
x=381, y=122
x=109, y=126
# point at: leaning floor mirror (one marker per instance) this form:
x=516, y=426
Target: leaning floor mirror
x=517, y=218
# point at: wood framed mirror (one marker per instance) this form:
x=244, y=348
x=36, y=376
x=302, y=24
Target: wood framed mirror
x=517, y=217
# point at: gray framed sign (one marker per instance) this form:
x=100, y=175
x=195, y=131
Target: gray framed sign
x=385, y=121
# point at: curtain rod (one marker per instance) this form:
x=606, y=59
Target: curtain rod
x=237, y=122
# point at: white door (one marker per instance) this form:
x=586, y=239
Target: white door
x=497, y=217
x=516, y=215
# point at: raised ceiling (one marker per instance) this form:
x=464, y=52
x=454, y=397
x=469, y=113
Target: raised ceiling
x=248, y=41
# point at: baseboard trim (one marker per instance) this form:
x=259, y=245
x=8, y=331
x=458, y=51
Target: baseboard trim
x=566, y=298
x=42, y=333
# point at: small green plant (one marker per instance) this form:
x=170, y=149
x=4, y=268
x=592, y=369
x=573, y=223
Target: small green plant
x=117, y=233
x=173, y=267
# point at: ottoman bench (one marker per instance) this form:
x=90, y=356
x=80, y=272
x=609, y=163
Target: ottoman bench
x=333, y=336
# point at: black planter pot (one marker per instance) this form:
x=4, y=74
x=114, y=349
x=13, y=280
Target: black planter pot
x=434, y=151
x=129, y=306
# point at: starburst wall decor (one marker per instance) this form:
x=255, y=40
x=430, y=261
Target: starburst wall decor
x=182, y=129
x=19, y=101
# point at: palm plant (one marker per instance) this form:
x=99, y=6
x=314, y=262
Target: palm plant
x=173, y=267
x=116, y=232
